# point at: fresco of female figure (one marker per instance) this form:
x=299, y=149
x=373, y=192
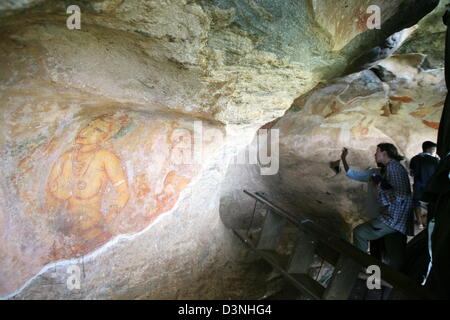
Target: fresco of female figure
x=78, y=181
x=182, y=169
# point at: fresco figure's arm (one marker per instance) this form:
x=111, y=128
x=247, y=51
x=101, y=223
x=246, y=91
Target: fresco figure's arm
x=118, y=179
x=56, y=184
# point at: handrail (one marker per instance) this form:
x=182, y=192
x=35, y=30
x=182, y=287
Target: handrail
x=398, y=280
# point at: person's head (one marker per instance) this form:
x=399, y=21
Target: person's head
x=429, y=147
x=97, y=131
x=387, y=152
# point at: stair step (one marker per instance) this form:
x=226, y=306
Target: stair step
x=271, y=231
x=275, y=258
x=317, y=290
x=301, y=281
x=329, y=255
x=346, y=259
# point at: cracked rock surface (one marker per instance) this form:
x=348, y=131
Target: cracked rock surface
x=132, y=84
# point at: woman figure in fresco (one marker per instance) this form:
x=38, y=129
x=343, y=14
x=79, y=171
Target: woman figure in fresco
x=78, y=180
x=182, y=168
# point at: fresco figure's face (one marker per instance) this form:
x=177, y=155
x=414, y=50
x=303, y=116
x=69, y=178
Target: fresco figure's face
x=95, y=132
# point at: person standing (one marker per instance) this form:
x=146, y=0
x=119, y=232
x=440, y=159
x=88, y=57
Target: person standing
x=394, y=198
x=422, y=167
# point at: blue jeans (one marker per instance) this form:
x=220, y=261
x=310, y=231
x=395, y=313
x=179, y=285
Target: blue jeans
x=370, y=230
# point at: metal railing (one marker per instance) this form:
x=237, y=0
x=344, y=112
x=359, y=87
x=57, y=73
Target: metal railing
x=344, y=256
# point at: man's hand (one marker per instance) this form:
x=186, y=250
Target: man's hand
x=344, y=153
x=344, y=159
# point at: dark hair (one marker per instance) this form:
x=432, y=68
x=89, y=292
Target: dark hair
x=428, y=145
x=391, y=150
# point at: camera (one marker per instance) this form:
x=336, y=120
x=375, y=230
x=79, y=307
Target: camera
x=376, y=178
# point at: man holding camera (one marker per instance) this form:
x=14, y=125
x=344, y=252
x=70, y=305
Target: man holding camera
x=394, y=199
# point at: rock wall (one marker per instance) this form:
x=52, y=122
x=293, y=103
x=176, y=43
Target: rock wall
x=233, y=61
x=96, y=124
x=87, y=179
x=400, y=101
x=429, y=37
x=186, y=253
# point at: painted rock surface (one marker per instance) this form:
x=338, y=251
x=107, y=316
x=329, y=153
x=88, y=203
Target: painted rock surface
x=97, y=123
x=402, y=107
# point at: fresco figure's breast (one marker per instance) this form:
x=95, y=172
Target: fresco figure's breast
x=91, y=180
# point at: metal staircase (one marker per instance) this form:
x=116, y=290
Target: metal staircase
x=347, y=260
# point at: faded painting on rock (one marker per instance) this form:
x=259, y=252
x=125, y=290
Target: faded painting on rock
x=78, y=181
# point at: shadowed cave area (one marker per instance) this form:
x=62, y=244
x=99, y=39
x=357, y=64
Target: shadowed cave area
x=127, y=143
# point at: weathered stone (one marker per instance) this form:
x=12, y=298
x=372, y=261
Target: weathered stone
x=231, y=61
x=357, y=112
x=429, y=37
x=130, y=85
